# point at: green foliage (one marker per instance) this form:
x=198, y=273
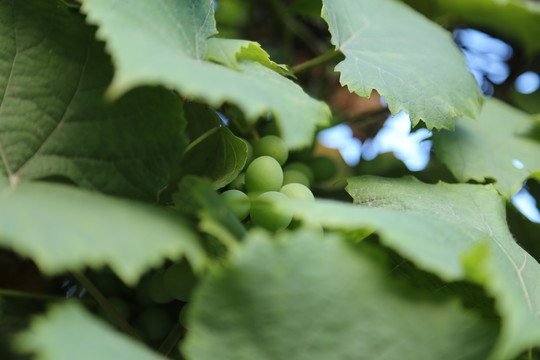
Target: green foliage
x=390, y=48
x=63, y=228
x=54, y=121
x=230, y=51
x=214, y=151
x=128, y=181
x=495, y=146
x=341, y=299
x=181, y=42
x=67, y=330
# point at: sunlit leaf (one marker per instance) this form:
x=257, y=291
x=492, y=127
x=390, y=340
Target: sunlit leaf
x=299, y=296
x=408, y=59
x=458, y=232
x=63, y=228
x=164, y=43
x=67, y=331
x=493, y=147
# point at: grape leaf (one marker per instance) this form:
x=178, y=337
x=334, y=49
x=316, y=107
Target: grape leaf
x=321, y=299
x=517, y=20
x=214, y=151
x=491, y=147
x=229, y=51
x=197, y=197
x=53, y=120
x=67, y=331
x=409, y=60
x=164, y=43
x=63, y=228
x=457, y=231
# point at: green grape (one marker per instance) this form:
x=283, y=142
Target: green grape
x=237, y=202
x=303, y=168
x=264, y=174
x=250, y=154
x=295, y=176
x=265, y=215
x=239, y=183
x=155, y=290
x=182, y=315
x=154, y=323
x=323, y=168
x=272, y=146
x=179, y=281
x=297, y=191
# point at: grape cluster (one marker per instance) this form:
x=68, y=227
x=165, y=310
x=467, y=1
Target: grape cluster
x=174, y=282
x=269, y=177
x=159, y=302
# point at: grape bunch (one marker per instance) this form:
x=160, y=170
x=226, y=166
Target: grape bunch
x=268, y=177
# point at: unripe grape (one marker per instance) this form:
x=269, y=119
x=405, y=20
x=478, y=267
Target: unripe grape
x=323, y=168
x=250, y=155
x=182, y=315
x=295, y=176
x=303, y=168
x=239, y=183
x=272, y=146
x=154, y=323
x=264, y=174
x=265, y=215
x=237, y=202
x=154, y=288
x=297, y=191
x=179, y=281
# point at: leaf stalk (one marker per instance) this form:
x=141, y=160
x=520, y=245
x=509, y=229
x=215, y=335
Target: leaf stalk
x=315, y=61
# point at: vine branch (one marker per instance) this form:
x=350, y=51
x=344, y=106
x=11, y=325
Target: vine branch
x=106, y=305
x=315, y=61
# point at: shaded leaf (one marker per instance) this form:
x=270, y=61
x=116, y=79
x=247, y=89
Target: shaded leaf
x=215, y=152
x=492, y=147
x=196, y=197
x=321, y=299
x=53, y=121
x=164, y=43
x=67, y=331
x=65, y=229
x=457, y=232
x=408, y=59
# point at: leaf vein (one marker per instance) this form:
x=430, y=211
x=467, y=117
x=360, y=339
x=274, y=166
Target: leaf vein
x=63, y=117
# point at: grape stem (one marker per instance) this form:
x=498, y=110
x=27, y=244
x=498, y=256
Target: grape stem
x=105, y=304
x=172, y=339
x=315, y=61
